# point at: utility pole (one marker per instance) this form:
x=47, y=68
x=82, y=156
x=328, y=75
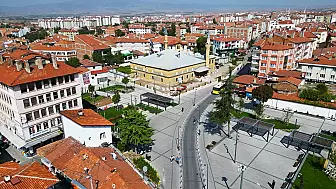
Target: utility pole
x=235, y=155
x=199, y=114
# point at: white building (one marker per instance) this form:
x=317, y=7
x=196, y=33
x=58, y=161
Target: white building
x=33, y=91
x=320, y=70
x=139, y=30
x=275, y=24
x=87, y=126
x=225, y=43
x=61, y=53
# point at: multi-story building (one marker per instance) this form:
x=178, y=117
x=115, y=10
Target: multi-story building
x=275, y=24
x=223, y=44
x=34, y=89
x=319, y=69
x=275, y=57
x=240, y=31
x=60, y=53
x=87, y=44
x=130, y=44
x=139, y=29
x=69, y=33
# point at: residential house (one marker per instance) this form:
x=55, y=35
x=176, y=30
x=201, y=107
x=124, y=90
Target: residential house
x=87, y=44
x=139, y=29
x=61, y=53
x=225, y=44
x=130, y=44
x=319, y=69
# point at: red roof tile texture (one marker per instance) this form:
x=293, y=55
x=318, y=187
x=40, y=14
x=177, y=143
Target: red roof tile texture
x=248, y=79
x=319, y=61
x=89, y=117
x=291, y=80
x=91, y=42
x=104, y=70
x=49, y=48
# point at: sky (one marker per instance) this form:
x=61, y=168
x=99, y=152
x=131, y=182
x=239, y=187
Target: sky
x=303, y=3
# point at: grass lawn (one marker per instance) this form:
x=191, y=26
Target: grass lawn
x=112, y=88
x=87, y=97
x=151, y=109
x=313, y=175
x=331, y=137
x=111, y=113
x=124, y=69
x=239, y=114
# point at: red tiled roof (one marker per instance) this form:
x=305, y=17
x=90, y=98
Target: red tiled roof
x=286, y=22
x=300, y=40
x=248, y=79
x=287, y=73
x=31, y=176
x=49, y=48
x=89, y=118
x=276, y=47
x=92, y=42
x=285, y=87
x=291, y=80
x=11, y=77
x=318, y=61
x=89, y=63
x=82, y=69
x=318, y=52
x=125, y=40
x=225, y=39
x=104, y=70
x=171, y=40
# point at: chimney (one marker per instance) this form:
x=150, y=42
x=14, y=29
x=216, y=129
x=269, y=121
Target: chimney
x=39, y=63
x=97, y=184
x=18, y=65
x=53, y=59
x=27, y=67
x=80, y=112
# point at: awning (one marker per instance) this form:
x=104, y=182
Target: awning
x=201, y=69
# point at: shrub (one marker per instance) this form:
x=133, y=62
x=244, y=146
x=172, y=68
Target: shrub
x=213, y=142
x=151, y=172
x=334, y=134
x=326, y=97
x=309, y=94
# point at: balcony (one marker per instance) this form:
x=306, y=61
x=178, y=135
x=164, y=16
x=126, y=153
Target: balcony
x=255, y=57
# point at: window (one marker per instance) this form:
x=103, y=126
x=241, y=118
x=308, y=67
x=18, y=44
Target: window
x=262, y=71
x=66, y=78
x=273, y=65
x=26, y=103
x=48, y=97
x=64, y=106
x=44, y=112
x=31, y=86
x=332, y=77
x=274, y=52
x=310, y=67
x=46, y=83
x=41, y=99
x=52, y=122
x=70, y=104
x=62, y=93
x=31, y=130
x=55, y=94
x=68, y=92
x=58, y=108
x=45, y=125
x=334, y=69
x=273, y=58
x=75, y=103
x=264, y=58
x=60, y=80
x=144, y=75
x=29, y=117
x=38, y=127
x=38, y=85
x=161, y=79
x=265, y=52
x=72, y=77
x=322, y=75
x=308, y=74
x=51, y=110
x=59, y=121
x=263, y=64
x=73, y=90
x=37, y=114
x=102, y=135
x=33, y=101
x=23, y=88
x=53, y=81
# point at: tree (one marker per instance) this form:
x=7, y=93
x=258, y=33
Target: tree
x=322, y=88
x=259, y=110
x=91, y=89
x=188, y=30
x=241, y=104
x=125, y=81
x=125, y=24
x=97, y=57
x=262, y=93
x=114, y=59
x=119, y=33
x=172, y=30
x=310, y=94
x=35, y=35
x=99, y=31
x=116, y=98
x=73, y=61
x=153, y=30
x=214, y=21
x=57, y=29
x=200, y=45
x=224, y=106
x=85, y=30
x=86, y=57
x=134, y=129
x=161, y=32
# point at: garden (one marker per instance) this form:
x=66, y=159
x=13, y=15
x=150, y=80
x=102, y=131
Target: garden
x=96, y=99
x=151, y=109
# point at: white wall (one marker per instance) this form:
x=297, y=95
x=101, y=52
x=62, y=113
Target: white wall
x=89, y=135
x=303, y=108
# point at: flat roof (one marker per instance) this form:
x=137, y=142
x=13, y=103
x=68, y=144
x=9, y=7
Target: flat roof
x=169, y=60
x=157, y=97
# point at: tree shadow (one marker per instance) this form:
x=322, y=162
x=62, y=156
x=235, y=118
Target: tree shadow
x=212, y=128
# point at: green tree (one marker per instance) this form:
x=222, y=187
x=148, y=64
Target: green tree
x=188, y=30
x=86, y=57
x=73, y=61
x=119, y=33
x=125, y=81
x=97, y=57
x=322, y=88
x=214, y=21
x=57, y=29
x=161, y=32
x=116, y=98
x=134, y=129
x=241, y=104
x=153, y=30
x=91, y=89
x=35, y=35
x=125, y=24
x=114, y=59
x=310, y=94
x=99, y=31
x=172, y=30
x=224, y=105
x=259, y=110
x=262, y=93
x=85, y=30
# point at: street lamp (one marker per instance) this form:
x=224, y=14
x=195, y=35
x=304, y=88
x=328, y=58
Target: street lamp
x=241, y=168
x=227, y=151
x=235, y=155
x=225, y=180
x=195, y=98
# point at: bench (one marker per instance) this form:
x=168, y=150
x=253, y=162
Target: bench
x=284, y=185
x=296, y=164
x=290, y=175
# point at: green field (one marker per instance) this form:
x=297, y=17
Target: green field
x=87, y=97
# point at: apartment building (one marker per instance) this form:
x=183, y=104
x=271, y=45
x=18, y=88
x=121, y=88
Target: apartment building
x=60, y=53
x=130, y=44
x=240, y=31
x=33, y=90
x=319, y=69
x=224, y=44
x=275, y=57
x=139, y=29
x=277, y=24
x=87, y=44
x=69, y=33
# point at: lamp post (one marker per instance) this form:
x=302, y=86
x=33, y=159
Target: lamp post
x=235, y=155
x=195, y=98
x=225, y=180
x=241, y=168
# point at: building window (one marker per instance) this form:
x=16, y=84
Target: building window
x=31, y=130
x=60, y=80
x=46, y=83
x=55, y=94
x=38, y=85
x=58, y=108
x=37, y=114
x=51, y=110
x=102, y=136
x=323, y=69
x=23, y=88
x=72, y=77
x=161, y=79
x=273, y=58
x=273, y=65
x=274, y=52
x=70, y=104
x=59, y=121
x=26, y=103
x=62, y=93
x=31, y=86
x=75, y=103
x=48, y=97
x=144, y=75
x=38, y=127
x=263, y=58
x=53, y=81
x=262, y=71
x=29, y=117
x=33, y=101
x=45, y=125
x=265, y=52
x=332, y=77
x=68, y=92
x=64, y=106
x=322, y=75
x=41, y=99
x=66, y=78
x=52, y=122
x=43, y=112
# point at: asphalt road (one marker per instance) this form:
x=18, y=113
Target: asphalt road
x=191, y=172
